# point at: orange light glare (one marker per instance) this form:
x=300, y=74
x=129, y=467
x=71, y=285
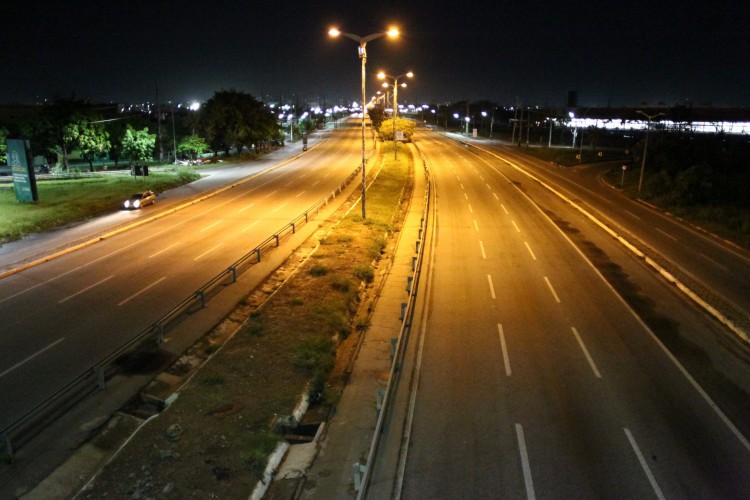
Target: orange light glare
x=393, y=32
x=334, y=32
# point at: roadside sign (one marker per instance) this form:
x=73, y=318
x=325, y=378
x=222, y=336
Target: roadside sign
x=400, y=135
x=24, y=182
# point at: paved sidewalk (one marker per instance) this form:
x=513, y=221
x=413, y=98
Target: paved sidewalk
x=350, y=431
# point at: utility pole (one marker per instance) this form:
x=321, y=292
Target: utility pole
x=645, y=147
x=158, y=121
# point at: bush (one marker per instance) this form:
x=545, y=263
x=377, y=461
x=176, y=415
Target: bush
x=318, y=270
x=364, y=273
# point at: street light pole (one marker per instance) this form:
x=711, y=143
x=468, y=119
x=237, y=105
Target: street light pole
x=362, y=52
x=645, y=147
x=382, y=75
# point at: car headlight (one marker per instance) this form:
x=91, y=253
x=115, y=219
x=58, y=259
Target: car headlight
x=127, y=203
x=137, y=203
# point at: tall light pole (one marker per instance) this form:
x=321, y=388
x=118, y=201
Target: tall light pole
x=382, y=75
x=645, y=147
x=362, y=52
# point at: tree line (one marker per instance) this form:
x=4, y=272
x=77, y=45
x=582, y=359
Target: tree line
x=229, y=120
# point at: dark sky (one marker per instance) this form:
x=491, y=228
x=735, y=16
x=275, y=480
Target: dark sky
x=610, y=52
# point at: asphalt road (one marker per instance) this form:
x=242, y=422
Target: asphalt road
x=61, y=317
x=535, y=377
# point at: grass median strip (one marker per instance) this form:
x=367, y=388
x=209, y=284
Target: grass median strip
x=216, y=437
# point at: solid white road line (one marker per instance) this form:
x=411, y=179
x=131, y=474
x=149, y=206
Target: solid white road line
x=208, y=251
x=525, y=463
x=85, y=289
x=516, y=226
x=481, y=245
x=40, y=351
x=163, y=250
x=492, y=287
x=586, y=352
x=136, y=294
x=554, y=294
x=210, y=226
x=506, y=359
x=644, y=464
x=530, y=250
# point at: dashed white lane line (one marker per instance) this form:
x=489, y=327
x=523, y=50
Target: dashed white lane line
x=300, y=193
x=271, y=194
x=40, y=351
x=85, y=289
x=631, y=214
x=211, y=225
x=471, y=210
x=712, y=261
x=551, y=289
x=476, y=226
x=466, y=196
x=496, y=196
x=516, y=226
x=505, y=209
x=481, y=245
x=315, y=183
x=142, y=290
x=492, y=287
x=644, y=464
x=530, y=495
x=208, y=251
x=506, y=358
x=530, y=250
x=586, y=352
x=279, y=208
x=462, y=186
x=667, y=234
x=163, y=250
x=246, y=207
x=249, y=226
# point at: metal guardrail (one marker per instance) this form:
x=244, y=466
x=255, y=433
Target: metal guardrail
x=364, y=473
x=94, y=377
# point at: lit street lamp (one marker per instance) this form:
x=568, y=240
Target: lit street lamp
x=645, y=147
x=362, y=52
x=394, y=79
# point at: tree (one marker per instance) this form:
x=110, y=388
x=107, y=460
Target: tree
x=88, y=137
x=3, y=147
x=377, y=115
x=138, y=145
x=402, y=125
x=193, y=145
x=232, y=119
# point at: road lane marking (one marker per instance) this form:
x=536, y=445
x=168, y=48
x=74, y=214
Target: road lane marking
x=163, y=250
x=211, y=225
x=525, y=463
x=85, y=289
x=644, y=465
x=271, y=194
x=40, y=351
x=466, y=196
x=530, y=250
x=481, y=245
x=476, y=226
x=506, y=358
x=492, y=287
x=136, y=294
x=516, y=226
x=586, y=352
x=489, y=187
x=631, y=214
x=462, y=186
x=279, y=208
x=496, y=196
x=208, y=251
x=554, y=294
x=245, y=208
x=712, y=261
x=505, y=209
x=250, y=225
x=470, y=209
x=301, y=193
x=315, y=183
x=666, y=234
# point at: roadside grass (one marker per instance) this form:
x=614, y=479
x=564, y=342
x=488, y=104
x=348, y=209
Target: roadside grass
x=285, y=348
x=70, y=200
x=730, y=222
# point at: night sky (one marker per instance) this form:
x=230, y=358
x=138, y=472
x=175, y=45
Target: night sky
x=610, y=52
